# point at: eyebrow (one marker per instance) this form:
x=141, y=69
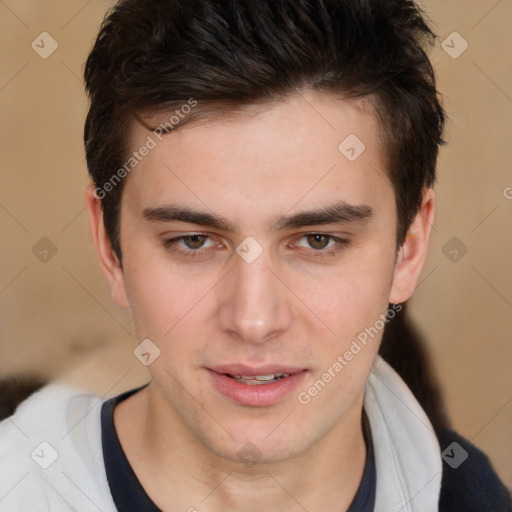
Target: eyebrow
x=339, y=213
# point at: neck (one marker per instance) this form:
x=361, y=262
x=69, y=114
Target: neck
x=179, y=472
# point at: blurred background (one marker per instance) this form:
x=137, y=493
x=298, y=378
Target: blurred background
x=57, y=320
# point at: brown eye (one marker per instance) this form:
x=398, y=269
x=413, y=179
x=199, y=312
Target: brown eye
x=318, y=241
x=194, y=241
x=191, y=246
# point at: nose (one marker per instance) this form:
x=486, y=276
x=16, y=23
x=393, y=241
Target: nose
x=255, y=305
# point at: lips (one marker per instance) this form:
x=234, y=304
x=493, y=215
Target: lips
x=256, y=386
x=257, y=376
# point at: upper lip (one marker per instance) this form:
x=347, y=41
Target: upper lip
x=251, y=371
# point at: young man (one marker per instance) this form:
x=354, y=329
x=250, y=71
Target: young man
x=262, y=201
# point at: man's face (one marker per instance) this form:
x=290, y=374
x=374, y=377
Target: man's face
x=288, y=300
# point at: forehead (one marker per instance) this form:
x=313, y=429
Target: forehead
x=298, y=152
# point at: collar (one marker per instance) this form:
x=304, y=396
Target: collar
x=407, y=454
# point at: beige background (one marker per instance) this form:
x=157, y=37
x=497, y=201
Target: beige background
x=57, y=318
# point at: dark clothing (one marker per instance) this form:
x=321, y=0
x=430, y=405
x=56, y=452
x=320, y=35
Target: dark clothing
x=474, y=486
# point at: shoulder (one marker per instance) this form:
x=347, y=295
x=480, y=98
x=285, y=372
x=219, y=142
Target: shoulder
x=50, y=453
x=469, y=481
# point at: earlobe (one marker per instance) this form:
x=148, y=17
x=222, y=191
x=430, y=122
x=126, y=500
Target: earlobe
x=108, y=259
x=412, y=254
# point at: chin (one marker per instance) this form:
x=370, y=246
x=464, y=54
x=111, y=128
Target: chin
x=257, y=449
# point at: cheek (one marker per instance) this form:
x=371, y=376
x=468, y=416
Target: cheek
x=350, y=297
x=166, y=299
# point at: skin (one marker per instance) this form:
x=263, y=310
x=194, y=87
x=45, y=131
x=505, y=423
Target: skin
x=294, y=305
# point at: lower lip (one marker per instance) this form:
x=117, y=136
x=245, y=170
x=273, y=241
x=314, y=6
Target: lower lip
x=257, y=395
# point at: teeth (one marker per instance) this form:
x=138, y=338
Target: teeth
x=259, y=379
x=263, y=377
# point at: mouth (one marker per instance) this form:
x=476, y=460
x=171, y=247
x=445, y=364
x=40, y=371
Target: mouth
x=263, y=386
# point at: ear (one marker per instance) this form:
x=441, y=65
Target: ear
x=412, y=254
x=108, y=259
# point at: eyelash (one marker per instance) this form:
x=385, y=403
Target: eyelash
x=171, y=244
